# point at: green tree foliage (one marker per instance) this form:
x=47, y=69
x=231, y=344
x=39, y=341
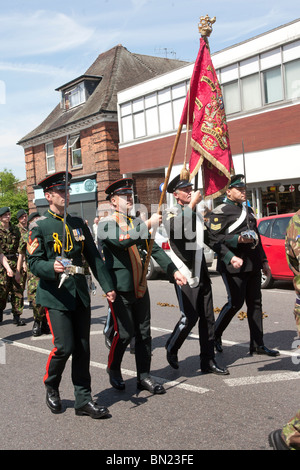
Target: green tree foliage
x=11, y=195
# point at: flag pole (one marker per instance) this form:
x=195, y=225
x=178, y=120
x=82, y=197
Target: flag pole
x=62, y=259
x=248, y=233
x=162, y=196
x=205, y=29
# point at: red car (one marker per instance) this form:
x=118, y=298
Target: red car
x=272, y=230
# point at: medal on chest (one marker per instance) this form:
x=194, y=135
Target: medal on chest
x=78, y=234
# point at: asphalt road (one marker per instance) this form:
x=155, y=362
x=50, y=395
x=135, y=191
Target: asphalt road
x=198, y=412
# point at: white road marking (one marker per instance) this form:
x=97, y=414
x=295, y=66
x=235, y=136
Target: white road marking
x=282, y=376
x=130, y=373
x=231, y=382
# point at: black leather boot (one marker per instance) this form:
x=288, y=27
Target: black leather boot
x=53, y=400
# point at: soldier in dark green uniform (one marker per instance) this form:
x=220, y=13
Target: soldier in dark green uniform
x=234, y=236
x=9, y=246
x=186, y=236
x=63, y=291
x=123, y=239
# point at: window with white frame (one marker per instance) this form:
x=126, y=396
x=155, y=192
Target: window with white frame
x=50, y=160
x=292, y=79
x=75, y=96
x=272, y=81
x=251, y=94
x=231, y=96
x=75, y=147
x=269, y=78
x=154, y=113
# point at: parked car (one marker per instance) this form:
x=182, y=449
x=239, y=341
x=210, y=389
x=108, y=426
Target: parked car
x=272, y=231
x=161, y=238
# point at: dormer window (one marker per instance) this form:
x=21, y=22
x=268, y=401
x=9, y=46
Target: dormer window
x=78, y=91
x=75, y=97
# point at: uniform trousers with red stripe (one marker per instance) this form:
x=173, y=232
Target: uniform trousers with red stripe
x=131, y=319
x=71, y=337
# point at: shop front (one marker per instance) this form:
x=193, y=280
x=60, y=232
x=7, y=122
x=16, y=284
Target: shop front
x=280, y=199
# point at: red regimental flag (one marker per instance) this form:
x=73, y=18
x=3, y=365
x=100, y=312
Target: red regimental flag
x=210, y=139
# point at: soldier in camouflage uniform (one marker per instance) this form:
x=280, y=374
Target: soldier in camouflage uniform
x=23, y=229
x=9, y=246
x=40, y=325
x=292, y=250
x=287, y=438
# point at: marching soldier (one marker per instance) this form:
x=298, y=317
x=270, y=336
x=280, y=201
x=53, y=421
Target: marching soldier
x=10, y=285
x=123, y=239
x=40, y=325
x=185, y=231
x=292, y=250
x=63, y=291
x=23, y=228
x=240, y=260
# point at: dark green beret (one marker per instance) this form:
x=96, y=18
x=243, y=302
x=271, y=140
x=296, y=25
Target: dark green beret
x=32, y=216
x=20, y=213
x=3, y=210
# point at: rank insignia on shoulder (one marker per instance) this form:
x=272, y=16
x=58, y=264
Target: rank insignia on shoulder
x=31, y=247
x=78, y=234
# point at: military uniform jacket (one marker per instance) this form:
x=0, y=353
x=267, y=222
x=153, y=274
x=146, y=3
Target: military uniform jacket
x=180, y=224
x=115, y=244
x=224, y=231
x=44, y=245
x=292, y=244
x=9, y=246
x=292, y=249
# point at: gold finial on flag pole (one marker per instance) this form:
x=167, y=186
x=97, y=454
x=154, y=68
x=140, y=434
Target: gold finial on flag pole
x=205, y=27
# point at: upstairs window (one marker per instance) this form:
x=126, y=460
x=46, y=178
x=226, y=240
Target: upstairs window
x=75, y=96
x=76, y=153
x=50, y=161
x=75, y=148
x=264, y=80
x=273, y=85
x=292, y=79
x=231, y=95
x=251, y=96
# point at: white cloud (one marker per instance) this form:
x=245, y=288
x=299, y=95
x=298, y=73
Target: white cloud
x=35, y=68
x=41, y=32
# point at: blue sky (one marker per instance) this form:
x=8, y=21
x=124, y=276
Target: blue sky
x=44, y=44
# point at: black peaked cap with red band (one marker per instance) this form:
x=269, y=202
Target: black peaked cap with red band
x=122, y=186
x=57, y=181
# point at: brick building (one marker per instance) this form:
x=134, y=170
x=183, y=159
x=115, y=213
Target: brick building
x=87, y=114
